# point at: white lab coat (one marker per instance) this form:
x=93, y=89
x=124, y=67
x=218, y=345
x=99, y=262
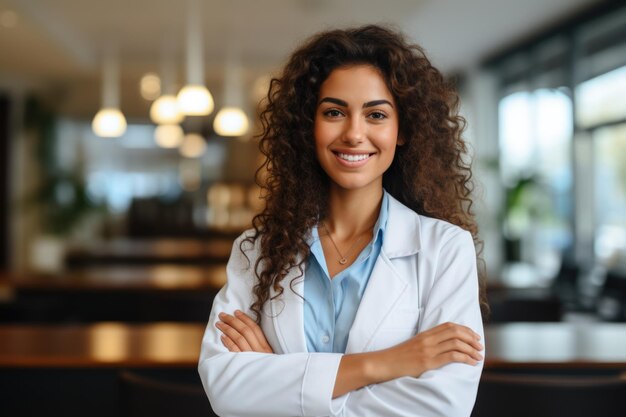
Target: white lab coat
x=425, y=275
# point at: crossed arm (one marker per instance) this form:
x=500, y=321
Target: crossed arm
x=441, y=345
x=433, y=373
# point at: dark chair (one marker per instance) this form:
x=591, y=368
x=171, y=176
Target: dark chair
x=502, y=395
x=611, y=304
x=142, y=396
x=527, y=309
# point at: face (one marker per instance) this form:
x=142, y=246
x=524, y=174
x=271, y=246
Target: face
x=356, y=128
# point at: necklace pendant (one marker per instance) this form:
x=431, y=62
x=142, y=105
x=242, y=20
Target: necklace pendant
x=343, y=261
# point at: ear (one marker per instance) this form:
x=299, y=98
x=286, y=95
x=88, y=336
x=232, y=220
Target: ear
x=400, y=141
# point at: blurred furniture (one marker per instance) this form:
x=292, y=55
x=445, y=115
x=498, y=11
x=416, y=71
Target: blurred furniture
x=541, y=346
x=512, y=309
x=56, y=369
x=612, y=300
x=565, y=285
x=548, y=396
x=65, y=370
x=129, y=293
x=100, y=345
x=206, y=251
x=142, y=396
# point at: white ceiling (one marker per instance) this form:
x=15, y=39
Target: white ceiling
x=59, y=42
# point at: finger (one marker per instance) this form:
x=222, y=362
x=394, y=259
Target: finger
x=235, y=336
x=459, y=346
x=230, y=345
x=454, y=356
x=449, y=331
x=255, y=328
x=450, y=326
x=243, y=330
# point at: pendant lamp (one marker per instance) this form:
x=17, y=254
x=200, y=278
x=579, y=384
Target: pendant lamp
x=194, y=99
x=165, y=110
x=109, y=122
x=231, y=120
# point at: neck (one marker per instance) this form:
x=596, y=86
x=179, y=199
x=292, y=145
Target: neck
x=351, y=212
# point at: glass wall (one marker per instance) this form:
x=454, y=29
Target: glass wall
x=562, y=150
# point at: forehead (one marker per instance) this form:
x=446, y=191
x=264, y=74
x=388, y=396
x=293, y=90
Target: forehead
x=356, y=82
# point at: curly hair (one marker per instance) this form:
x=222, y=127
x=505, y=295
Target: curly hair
x=429, y=173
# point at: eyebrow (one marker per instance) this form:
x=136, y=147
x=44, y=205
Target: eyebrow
x=343, y=103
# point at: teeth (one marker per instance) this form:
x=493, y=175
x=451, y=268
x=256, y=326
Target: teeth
x=353, y=158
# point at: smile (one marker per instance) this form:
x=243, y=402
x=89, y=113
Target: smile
x=353, y=157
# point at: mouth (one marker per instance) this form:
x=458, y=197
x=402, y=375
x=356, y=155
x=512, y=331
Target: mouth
x=349, y=157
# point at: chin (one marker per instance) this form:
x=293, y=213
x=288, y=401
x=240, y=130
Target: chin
x=355, y=185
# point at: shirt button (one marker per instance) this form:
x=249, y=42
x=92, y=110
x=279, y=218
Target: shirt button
x=325, y=339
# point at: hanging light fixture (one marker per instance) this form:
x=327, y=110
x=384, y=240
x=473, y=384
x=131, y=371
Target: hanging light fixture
x=150, y=86
x=164, y=110
x=231, y=120
x=193, y=146
x=109, y=122
x=194, y=99
x=169, y=136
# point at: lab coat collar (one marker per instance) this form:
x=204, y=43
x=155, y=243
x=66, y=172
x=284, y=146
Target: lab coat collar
x=402, y=238
x=403, y=233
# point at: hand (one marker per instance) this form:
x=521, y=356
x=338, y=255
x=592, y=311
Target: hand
x=242, y=334
x=441, y=345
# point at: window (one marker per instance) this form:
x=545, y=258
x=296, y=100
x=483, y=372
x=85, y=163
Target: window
x=562, y=149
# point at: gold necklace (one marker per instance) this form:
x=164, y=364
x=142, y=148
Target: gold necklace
x=342, y=259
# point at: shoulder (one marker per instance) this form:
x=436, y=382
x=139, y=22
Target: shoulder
x=441, y=230
x=244, y=254
x=431, y=233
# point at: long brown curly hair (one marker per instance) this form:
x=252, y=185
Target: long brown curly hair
x=430, y=173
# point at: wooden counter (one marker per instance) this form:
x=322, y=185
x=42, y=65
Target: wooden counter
x=122, y=277
x=100, y=345
x=158, y=345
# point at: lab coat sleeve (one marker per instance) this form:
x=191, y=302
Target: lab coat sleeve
x=258, y=384
x=449, y=391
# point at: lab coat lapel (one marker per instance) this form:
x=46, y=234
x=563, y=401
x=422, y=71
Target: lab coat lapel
x=384, y=288
x=288, y=313
x=386, y=284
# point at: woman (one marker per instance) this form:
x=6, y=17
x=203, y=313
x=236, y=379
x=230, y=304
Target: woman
x=356, y=293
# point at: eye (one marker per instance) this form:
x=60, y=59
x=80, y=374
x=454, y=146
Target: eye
x=332, y=113
x=377, y=115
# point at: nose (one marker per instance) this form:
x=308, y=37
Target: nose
x=355, y=131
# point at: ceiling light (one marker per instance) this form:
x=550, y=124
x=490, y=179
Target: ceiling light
x=193, y=146
x=165, y=110
x=169, y=136
x=231, y=121
x=150, y=86
x=195, y=99
x=109, y=121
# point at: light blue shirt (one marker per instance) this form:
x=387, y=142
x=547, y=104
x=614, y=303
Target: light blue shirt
x=331, y=305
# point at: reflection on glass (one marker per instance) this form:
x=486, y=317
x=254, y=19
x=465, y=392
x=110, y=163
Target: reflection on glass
x=610, y=195
x=601, y=99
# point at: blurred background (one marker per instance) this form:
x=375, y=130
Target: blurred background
x=127, y=162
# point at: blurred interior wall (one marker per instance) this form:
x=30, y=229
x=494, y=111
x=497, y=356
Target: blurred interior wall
x=5, y=151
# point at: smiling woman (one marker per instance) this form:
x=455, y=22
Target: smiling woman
x=368, y=224
x=356, y=128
